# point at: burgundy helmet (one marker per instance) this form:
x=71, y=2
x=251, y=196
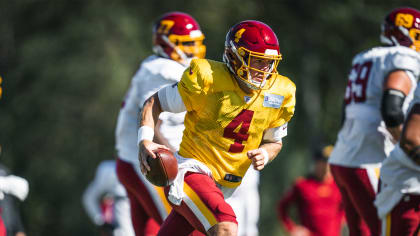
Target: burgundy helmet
x=251, y=39
x=177, y=36
x=402, y=27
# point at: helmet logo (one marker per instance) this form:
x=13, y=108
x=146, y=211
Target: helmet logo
x=165, y=26
x=238, y=34
x=405, y=20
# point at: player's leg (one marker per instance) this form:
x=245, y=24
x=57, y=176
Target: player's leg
x=176, y=225
x=139, y=217
x=204, y=206
x=355, y=222
x=245, y=202
x=148, y=197
x=363, y=185
x=404, y=219
x=151, y=228
x=252, y=208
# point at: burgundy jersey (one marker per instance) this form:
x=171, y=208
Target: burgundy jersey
x=319, y=206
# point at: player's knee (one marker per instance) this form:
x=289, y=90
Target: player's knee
x=224, y=229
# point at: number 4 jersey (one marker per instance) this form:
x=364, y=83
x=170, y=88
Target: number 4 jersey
x=223, y=122
x=363, y=140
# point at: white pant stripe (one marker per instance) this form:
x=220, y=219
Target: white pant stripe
x=203, y=220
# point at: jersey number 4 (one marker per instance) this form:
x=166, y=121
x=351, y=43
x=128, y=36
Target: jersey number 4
x=357, y=84
x=244, y=118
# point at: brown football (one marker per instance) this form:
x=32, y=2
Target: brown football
x=163, y=168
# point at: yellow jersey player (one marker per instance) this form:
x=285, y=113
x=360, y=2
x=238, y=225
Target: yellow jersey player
x=237, y=115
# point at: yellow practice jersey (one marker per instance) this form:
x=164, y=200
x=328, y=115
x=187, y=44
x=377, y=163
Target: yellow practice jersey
x=223, y=122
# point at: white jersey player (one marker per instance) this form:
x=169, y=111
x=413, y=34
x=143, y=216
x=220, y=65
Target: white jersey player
x=399, y=196
x=245, y=202
x=177, y=39
x=380, y=87
x=106, y=183
x=398, y=201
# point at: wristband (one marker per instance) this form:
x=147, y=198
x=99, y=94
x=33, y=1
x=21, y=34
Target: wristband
x=145, y=132
x=265, y=154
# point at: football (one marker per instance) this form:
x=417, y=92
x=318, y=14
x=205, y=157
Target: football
x=163, y=168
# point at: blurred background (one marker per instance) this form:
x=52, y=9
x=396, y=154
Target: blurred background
x=66, y=66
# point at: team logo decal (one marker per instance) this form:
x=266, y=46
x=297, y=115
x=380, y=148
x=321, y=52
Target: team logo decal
x=405, y=20
x=272, y=100
x=238, y=35
x=165, y=26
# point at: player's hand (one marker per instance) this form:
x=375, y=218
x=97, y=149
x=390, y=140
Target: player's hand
x=257, y=158
x=147, y=148
x=300, y=231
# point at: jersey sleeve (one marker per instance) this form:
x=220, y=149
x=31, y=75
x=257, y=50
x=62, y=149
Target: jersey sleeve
x=288, y=106
x=192, y=87
x=170, y=99
x=275, y=134
x=403, y=60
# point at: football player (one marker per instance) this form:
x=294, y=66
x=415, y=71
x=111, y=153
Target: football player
x=317, y=199
x=11, y=188
x=106, y=183
x=237, y=115
x=380, y=86
x=398, y=201
x=177, y=39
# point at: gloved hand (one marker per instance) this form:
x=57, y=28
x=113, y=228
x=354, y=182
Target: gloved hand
x=14, y=185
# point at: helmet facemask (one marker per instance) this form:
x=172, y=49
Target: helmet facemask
x=181, y=48
x=243, y=65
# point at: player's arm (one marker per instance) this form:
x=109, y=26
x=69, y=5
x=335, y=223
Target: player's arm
x=159, y=138
x=269, y=148
x=166, y=99
x=410, y=138
x=396, y=87
x=272, y=139
x=283, y=209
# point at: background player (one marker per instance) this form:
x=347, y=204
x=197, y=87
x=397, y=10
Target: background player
x=105, y=200
x=398, y=201
x=11, y=188
x=215, y=153
x=380, y=87
x=177, y=39
x=318, y=201
x=245, y=202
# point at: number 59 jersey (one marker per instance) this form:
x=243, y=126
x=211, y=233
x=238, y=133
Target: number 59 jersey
x=364, y=140
x=223, y=122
